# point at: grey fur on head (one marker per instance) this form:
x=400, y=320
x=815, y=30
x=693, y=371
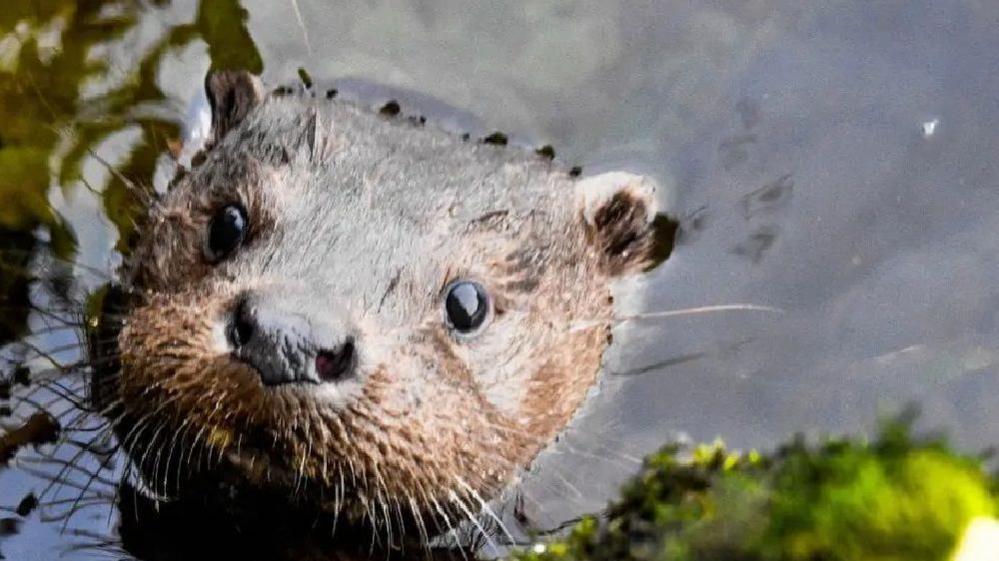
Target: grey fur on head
x=357, y=224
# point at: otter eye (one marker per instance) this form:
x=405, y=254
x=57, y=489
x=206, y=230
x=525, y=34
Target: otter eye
x=226, y=232
x=466, y=306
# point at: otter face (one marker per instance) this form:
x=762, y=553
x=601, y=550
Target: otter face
x=367, y=315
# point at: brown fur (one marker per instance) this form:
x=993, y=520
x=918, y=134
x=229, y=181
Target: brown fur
x=437, y=425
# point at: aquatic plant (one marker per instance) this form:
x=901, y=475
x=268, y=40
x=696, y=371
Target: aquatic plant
x=896, y=498
x=62, y=96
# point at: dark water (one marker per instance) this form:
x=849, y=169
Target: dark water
x=834, y=160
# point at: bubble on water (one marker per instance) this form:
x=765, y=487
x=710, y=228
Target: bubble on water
x=930, y=127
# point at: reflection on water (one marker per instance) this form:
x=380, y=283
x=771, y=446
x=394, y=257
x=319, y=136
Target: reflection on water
x=792, y=138
x=85, y=123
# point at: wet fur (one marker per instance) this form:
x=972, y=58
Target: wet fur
x=377, y=215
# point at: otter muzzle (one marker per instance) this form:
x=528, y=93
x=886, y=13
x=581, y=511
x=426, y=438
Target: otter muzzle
x=286, y=344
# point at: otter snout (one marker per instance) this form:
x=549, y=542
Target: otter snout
x=287, y=343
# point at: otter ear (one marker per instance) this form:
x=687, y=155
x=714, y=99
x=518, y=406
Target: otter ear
x=231, y=94
x=620, y=214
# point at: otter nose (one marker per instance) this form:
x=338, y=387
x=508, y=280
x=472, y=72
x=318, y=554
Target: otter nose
x=286, y=344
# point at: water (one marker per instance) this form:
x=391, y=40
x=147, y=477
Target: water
x=832, y=160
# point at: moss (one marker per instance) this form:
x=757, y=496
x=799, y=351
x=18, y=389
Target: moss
x=896, y=498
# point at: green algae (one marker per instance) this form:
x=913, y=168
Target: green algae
x=895, y=498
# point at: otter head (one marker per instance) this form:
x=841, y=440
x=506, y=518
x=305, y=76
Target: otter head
x=365, y=314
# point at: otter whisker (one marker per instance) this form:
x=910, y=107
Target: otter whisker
x=158, y=456
x=581, y=325
x=381, y=507
x=338, y=492
x=136, y=427
x=475, y=522
x=131, y=442
x=486, y=508
x=370, y=515
x=396, y=513
x=113, y=339
x=139, y=450
x=300, y=470
x=208, y=446
x=179, y=437
x=514, y=431
x=619, y=460
x=451, y=529
x=701, y=310
x=353, y=472
x=148, y=199
x=301, y=26
x=629, y=460
x=402, y=522
x=389, y=543
x=569, y=485
x=420, y=526
x=172, y=468
x=380, y=501
x=374, y=501
x=421, y=492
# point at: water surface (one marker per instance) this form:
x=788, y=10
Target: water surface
x=833, y=160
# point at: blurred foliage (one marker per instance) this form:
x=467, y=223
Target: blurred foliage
x=46, y=60
x=895, y=499
x=62, y=95
x=15, y=250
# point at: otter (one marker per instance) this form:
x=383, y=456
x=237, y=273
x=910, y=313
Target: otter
x=371, y=318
